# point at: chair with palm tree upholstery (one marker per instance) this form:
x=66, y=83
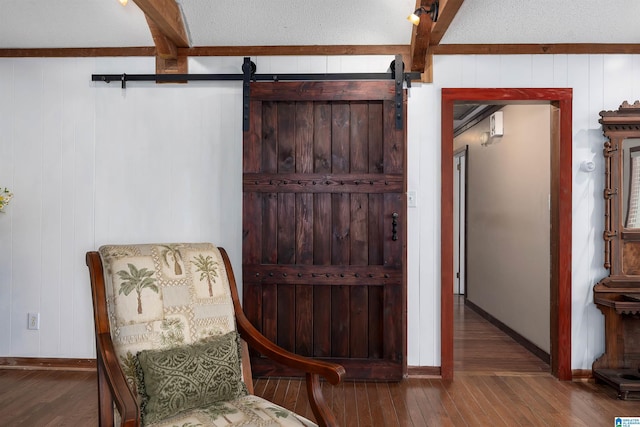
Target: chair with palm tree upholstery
x=172, y=342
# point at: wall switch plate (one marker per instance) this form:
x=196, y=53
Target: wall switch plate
x=33, y=321
x=412, y=198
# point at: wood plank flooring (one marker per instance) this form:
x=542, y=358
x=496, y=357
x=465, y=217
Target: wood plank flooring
x=497, y=383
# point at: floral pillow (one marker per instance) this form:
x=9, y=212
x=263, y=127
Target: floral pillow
x=191, y=376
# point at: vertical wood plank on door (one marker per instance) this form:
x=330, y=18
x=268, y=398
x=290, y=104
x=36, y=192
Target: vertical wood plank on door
x=322, y=137
x=376, y=238
x=375, y=228
x=269, y=295
x=304, y=130
x=359, y=295
x=252, y=254
x=359, y=135
x=286, y=231
x=252, y=148
x=286, y=143
x=252, y=217
x=269, y=137
x=340, y=246
x=376, y=159
x=322, y=308
x=340, y=296
x=286, y=255
x=304, y=145
x=322, y=229
x=394, y=153
x=340, y=123
x=304, y=293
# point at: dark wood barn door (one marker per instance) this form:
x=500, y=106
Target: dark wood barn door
x=324, y=224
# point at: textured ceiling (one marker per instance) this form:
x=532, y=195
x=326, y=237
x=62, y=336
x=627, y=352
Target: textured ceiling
x=545, y=21
x=105, y=23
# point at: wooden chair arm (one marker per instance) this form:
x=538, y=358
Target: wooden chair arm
x=333, y=372
x=112, y=384
x=120, y=391
x=313, y=369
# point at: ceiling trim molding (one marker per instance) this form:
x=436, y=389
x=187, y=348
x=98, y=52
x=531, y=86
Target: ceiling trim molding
x=535, y=49
x=338, y=50
x=77, y=52
x=242, y=51
x=297, y=50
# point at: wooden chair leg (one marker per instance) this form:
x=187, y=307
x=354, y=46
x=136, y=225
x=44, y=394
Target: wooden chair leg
x=105, y=401
x=324, y=416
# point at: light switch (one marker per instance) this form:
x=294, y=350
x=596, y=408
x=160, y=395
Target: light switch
x=412, y=198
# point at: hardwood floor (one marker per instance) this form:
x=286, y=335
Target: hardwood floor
x=479, y=346
x=497, y=383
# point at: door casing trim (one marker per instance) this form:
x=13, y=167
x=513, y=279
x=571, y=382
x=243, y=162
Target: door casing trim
x=561, y=203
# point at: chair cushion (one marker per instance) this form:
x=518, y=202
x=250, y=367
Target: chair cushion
x=191, y=376
x=164, y=295
x=247, y=411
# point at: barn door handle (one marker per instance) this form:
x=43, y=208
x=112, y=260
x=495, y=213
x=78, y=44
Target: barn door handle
x=394, y=226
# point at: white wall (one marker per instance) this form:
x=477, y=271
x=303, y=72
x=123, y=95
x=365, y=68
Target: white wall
x=78, y=157
x=599, y=82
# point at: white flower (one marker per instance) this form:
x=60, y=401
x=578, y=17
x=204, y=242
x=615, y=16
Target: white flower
x=5, y=197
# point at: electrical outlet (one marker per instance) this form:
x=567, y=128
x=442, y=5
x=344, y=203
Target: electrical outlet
x=412, y=198
x=33, y=321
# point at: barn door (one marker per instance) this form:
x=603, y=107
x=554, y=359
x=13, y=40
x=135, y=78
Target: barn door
x=324, y=224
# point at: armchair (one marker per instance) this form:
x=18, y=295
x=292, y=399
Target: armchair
x=172, y=341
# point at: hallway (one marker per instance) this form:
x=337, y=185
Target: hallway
x=480, y=346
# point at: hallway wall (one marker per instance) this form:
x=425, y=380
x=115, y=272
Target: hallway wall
x=508, y=221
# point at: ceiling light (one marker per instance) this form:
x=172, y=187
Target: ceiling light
x=414, y=18
x=124, y=2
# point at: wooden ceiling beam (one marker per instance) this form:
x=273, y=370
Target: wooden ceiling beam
x=297, y=50
x=169, y=33
x=420, y=38
x=442, y=49
x=429, y=34
x=448, y=10
x=167, y=16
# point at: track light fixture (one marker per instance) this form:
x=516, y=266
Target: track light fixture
x=123, y=2
x=414, y=18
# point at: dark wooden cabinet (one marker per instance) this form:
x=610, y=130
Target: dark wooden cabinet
x=618, y=295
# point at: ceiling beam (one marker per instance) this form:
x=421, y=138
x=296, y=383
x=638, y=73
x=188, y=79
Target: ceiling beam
x=420, y=36
x=442, y=49
x=428, y=34
x=448, y=10
x=169, y=33
x=297, y=50
x=166, y=14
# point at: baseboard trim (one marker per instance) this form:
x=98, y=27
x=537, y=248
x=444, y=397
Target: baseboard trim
x=537, y=351
x=582, y=375
x=424, y=371
x=49, y=364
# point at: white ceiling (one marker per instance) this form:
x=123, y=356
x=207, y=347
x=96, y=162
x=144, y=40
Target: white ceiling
x=105, y=23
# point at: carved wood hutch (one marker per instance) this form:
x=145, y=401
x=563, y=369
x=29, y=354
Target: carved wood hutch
x=618, y=295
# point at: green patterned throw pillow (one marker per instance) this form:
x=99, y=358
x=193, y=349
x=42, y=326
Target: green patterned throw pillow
x=190, y=376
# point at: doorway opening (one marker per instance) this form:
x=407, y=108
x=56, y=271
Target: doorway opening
x=560, y=200
x=502, y=258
